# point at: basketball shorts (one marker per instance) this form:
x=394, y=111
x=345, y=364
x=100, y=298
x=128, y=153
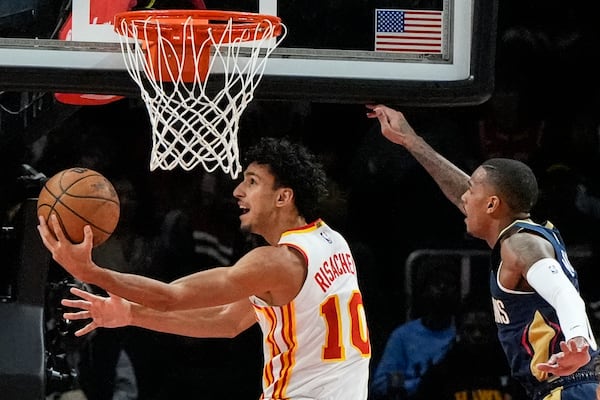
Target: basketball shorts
x=579, y=386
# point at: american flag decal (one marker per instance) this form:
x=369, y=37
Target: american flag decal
x=409, y=31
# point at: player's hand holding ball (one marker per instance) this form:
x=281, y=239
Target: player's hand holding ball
x=79, y=197
x=78, y=209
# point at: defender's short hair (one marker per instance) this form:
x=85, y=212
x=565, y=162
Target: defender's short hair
x=515, y=182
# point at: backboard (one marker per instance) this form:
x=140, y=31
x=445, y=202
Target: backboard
x=346, y=52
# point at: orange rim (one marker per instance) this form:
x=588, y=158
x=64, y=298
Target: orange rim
x=199, y=20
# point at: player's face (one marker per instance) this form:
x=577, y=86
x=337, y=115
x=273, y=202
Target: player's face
x=257, y=197
x=475, y=201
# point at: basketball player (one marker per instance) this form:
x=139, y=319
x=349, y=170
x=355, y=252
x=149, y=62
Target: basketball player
x=541, y=318
x=301, y=288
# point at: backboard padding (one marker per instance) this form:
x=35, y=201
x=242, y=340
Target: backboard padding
x=350, y=73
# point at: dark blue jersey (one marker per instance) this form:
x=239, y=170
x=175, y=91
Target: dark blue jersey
x=528, y=327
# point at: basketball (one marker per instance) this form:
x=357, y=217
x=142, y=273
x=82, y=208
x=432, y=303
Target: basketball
x=79, y=197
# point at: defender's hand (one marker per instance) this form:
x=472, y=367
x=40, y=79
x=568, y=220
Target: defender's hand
x=394, y=125
x=573, y=356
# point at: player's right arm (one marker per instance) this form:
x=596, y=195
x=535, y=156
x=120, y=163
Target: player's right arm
x=113, y=312
x=452, y=180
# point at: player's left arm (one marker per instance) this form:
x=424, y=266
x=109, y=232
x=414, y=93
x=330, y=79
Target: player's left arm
x=544, y=274
x=274, y=273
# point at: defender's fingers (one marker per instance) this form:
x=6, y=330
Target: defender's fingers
x=372, y=113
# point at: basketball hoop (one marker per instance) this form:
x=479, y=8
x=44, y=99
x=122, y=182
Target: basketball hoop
x=176, y=57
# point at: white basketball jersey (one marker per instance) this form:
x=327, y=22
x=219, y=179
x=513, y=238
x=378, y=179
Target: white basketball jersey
x=317, y=346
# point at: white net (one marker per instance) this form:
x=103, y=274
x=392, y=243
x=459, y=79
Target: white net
x=195, y=102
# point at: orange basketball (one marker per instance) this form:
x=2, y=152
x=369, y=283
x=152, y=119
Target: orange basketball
x=79, y=197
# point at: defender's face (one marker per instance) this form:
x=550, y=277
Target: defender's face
x=476, y=201
x=256, y=197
